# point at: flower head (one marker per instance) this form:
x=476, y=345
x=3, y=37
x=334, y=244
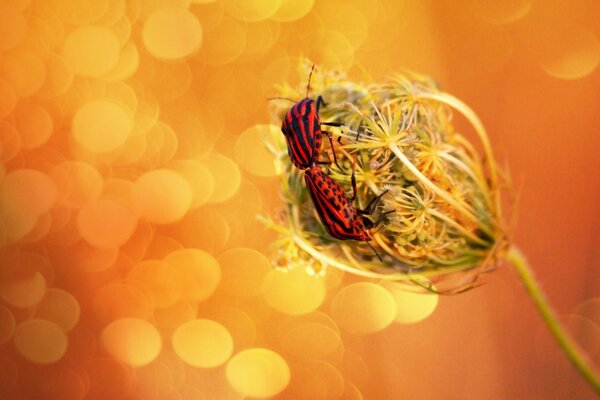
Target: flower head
x=440, y=214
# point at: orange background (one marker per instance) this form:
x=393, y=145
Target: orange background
x=127, y=134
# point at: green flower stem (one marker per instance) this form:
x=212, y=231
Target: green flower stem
x=572, y=351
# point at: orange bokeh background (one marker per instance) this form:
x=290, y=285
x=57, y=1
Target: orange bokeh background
x=131, y=262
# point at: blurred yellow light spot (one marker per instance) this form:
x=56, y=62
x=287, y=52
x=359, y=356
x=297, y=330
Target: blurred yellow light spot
x=334, y=51
x=571, y=52
x=292, y=10
x=345, y=18
x=311, y=340
x=59, y=77
x=13, y=27
x=133, y=341
x=106, y=223
x=122, y=29
x=501, y=12
x=162, y=196
x=316, y=380
x=79, y=183
x=199, y=271
x=10, y=140
x=93, y=259
x=39, y=230
x=115, y=10
x=241, y=326
x=127, y=64
x=101, y=126
x=293, y=291
x=363, y=308
x=91, y=50
x=21, y=285
x=243, y=271
x=172, y=33
x=27, y=191
x=8, y=97
x=121, y=300
x=251, y=153
x=198, y=177
x=251, y=10
x=60, y=307
x=261, y=36
x=25, y=70
x=411, y=307
x=203, y=343
x=258, y=372
x=82, y=12
x=160, y=279
x=224, y=43
x=226, y=176
x=7, y=324
x=40, y=341
x=34, y=124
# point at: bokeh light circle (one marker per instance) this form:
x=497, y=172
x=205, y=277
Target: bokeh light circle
x=40, y=341
x=258, y=373
x=91, y=50
x=133, y=341
x=101, y=126
x=251, y=153
x=292, y=10
x=199, y=271
x=411, y=307
x=7, y=324
x=106, y=223
x=13, y=27
x=172, y=33
x=363, y=308
x=251, y=10
x=294, y=291
x=162, y=196
x=60, y=307
x=159, y=279
x=203, y=343
x=35, y=126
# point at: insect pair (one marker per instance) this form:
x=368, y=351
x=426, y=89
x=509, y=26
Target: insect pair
x=301, y=127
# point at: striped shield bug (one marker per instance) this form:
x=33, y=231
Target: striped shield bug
x=301, y=127
x=337, y=213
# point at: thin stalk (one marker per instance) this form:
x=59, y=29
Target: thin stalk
x=572, y=351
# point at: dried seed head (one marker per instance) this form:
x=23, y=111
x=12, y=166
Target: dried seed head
x=443, y=195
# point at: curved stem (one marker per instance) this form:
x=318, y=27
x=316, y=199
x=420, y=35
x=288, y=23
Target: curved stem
x=572, y=351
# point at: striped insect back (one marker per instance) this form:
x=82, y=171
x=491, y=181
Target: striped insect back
x=337, y=214
x=301, y=127
x=302, y=130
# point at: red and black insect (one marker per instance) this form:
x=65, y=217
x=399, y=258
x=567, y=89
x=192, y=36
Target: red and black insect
x=302, y=130
x=337, y=213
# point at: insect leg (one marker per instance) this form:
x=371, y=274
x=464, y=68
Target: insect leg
x=332, y=149
x=374, y=251
x=371, y=206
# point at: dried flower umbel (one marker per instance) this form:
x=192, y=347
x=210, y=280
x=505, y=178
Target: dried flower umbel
x=444, y=198
x=446, y=227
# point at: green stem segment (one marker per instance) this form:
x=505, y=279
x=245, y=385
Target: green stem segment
x=572, y=351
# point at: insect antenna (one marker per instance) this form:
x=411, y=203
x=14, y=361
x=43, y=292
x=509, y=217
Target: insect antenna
x=309, y=76
x=282, y=98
